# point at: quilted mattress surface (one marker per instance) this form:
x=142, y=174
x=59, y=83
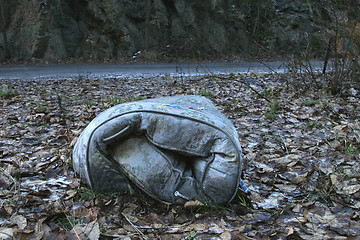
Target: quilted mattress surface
x=171, y=148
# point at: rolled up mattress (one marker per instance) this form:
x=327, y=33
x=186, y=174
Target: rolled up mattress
x=171, y=148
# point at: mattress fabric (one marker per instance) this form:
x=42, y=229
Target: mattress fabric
x=171, y=148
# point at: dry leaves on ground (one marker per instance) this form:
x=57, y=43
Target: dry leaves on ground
x=302, y=171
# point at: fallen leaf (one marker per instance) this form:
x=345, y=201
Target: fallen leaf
x=89, y=231
x=6, y=233
x=263, y=168
x=225, y=236
x=351, y=189
x=298, y=179
x=20, y=221
x=333, y=179
x=193, y=204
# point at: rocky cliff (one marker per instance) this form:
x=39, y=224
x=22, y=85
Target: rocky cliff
x=104, y=30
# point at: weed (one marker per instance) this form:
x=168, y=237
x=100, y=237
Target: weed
x=41, y=109
x=48, y=94
x=191, y=236
x=205, y=93
x=270, y=115
x=85, y=193
x=115, y=100
x=8, y=92
x=137, y=98
x=75, y=98
x=68, y=222
x=231, y=75
x=267, y=92
x=350, y=150
x=90, y=103
x=310, y=102
x=274, y=106
x=118, y=100
x=273, y=110
x=7, y=199
x=101, y=106
x=242, y=201
x=208, y=206
x=22, y=126
x=312, y=124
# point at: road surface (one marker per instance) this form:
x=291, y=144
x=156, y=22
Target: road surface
x=35, y=71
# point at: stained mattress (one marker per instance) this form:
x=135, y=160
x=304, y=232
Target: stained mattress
x=171, y=148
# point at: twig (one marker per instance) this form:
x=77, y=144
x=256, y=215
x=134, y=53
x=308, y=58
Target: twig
x=284, y=144
x=60, y=104
x=63, y=117
x=248, y=85
x=72, y=225
x=7, y=174
x=70, y=220
x=328, y=50
x=142, y=235
x=271, y=68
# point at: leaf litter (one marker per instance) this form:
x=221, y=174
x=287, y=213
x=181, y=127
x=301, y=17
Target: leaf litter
x=302, y=169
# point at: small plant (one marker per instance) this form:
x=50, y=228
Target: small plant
x=75, y=98
x=242, y=201
x=205, y=93
x=68, y=222
x=118, y=100
x=274, y=106
x=350, y=150
x=310, y=102
x=41, y=109
x=314, y=124
x=273, y=110
x=208, y=206
x=137, y=98
x=267, y=92
x=231, y=75
x=8, y=92
x=191, y=236
x=91, y=103
x=22, y=126
x=85, y=193
x=115, y=100
x=270, y=115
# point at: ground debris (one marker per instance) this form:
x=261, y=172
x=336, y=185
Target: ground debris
x=302, y=171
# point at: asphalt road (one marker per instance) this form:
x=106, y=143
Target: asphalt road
x=137, y=70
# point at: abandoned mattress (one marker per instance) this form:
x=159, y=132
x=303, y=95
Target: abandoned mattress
x=171, y=148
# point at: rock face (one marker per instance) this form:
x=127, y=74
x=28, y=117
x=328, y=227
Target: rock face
x=101, y=30
x=109, y=29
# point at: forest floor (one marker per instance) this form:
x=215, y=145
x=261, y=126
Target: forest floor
x=301, y=147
